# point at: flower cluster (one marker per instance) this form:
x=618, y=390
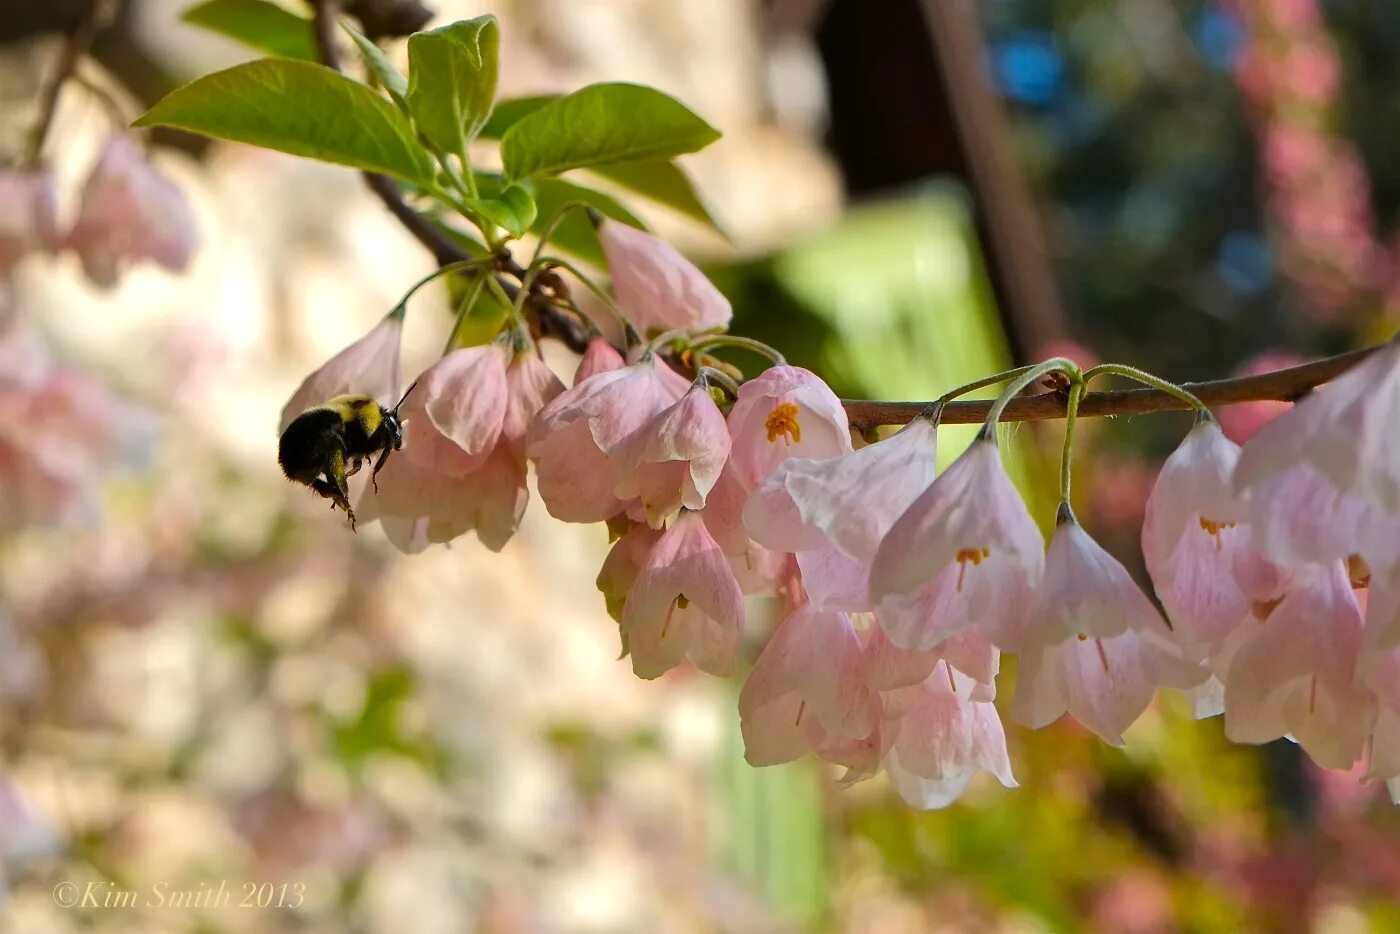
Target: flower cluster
x=127, y=212
x=902, y=587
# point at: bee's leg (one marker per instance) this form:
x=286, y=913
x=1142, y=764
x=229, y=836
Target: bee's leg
x=355, y=466
x=335, y=472
x=378, y=466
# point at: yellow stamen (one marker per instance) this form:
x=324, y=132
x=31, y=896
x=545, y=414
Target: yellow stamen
x=782, y=423
x=1359, y=572
x=951, y=683
x=1312, y=696
x=975, y=555
x=1214, y=529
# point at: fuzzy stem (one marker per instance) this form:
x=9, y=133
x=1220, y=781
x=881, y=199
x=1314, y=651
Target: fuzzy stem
x=1147, y=379
x=1076, y=392
x=1013, y=389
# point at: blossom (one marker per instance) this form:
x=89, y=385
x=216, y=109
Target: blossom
x=573, y=438
x=369, y=366
x=965, y=553
x=1197, y=542
x=943, y=738
x=1099, y=646
x=849, y=501
x=685, y=603
x=452, y=419
x=759, y=570
x=27, y=219
x=784, y=412
x=1104, y=683
x=815, y=657
x=1345, y=431
x=1293, y=672
x=129, y=211
x=63, y=430
x=598, y=357
x=622, y=565
x=657, y=288
x=676, y=458
x=886, y=666
x=1299, y=518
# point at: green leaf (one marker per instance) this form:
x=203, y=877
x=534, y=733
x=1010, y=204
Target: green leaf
x=662, y=181
x=576, y=235
x=259, y=24
x=508, y=113
x=298, y=108
x=452, y=80
x=513, y=209
x=601, y=124
x=384, y=71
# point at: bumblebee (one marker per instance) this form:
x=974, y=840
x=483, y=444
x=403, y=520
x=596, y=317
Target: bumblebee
x=330, y=442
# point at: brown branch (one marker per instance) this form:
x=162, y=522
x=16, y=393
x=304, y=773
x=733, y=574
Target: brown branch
x=1285, y=385
x=77, y=41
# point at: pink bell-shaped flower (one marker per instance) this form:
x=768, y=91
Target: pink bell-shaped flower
x=598, y=357
x=622, y=565
x=944, y=738
x=676, y=458
x=1344, y=430
x=452, y=419
x=657, y=288
x=129, y=211
x=1297, y=517
x=849, y=501
x=887, y=667
x=816, y=655
x=1197, y=542
x=1099, y=647
x=576, y=437
x=784, y=412
x=27, y=216
x=1105, y=684
x=369, y=366
x=684, y=603
x=1087, y=592
x=964, y=554
x=1294, y=672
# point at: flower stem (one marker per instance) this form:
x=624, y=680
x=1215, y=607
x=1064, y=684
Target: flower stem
x=1147, y=379
x=982, y=383
x=468, y=300
x=1076, y=392
x=1028, y=376
x=720, y=378
x=748, y=343
x=549, y=228
x=442, y=271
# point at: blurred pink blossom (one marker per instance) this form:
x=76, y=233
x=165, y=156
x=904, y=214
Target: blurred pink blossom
x=130, y=212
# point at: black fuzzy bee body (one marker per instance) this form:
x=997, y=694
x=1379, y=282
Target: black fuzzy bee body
x=330, y=442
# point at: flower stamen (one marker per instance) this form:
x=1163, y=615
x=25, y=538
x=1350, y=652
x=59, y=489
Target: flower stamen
x=782, y=423
x=1214, y=528
x=975, y=555
x=801, y=709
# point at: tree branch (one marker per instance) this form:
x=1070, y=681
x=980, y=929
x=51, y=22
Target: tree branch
x=1285, y=385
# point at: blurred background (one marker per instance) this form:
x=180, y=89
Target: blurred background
x=204, y=677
